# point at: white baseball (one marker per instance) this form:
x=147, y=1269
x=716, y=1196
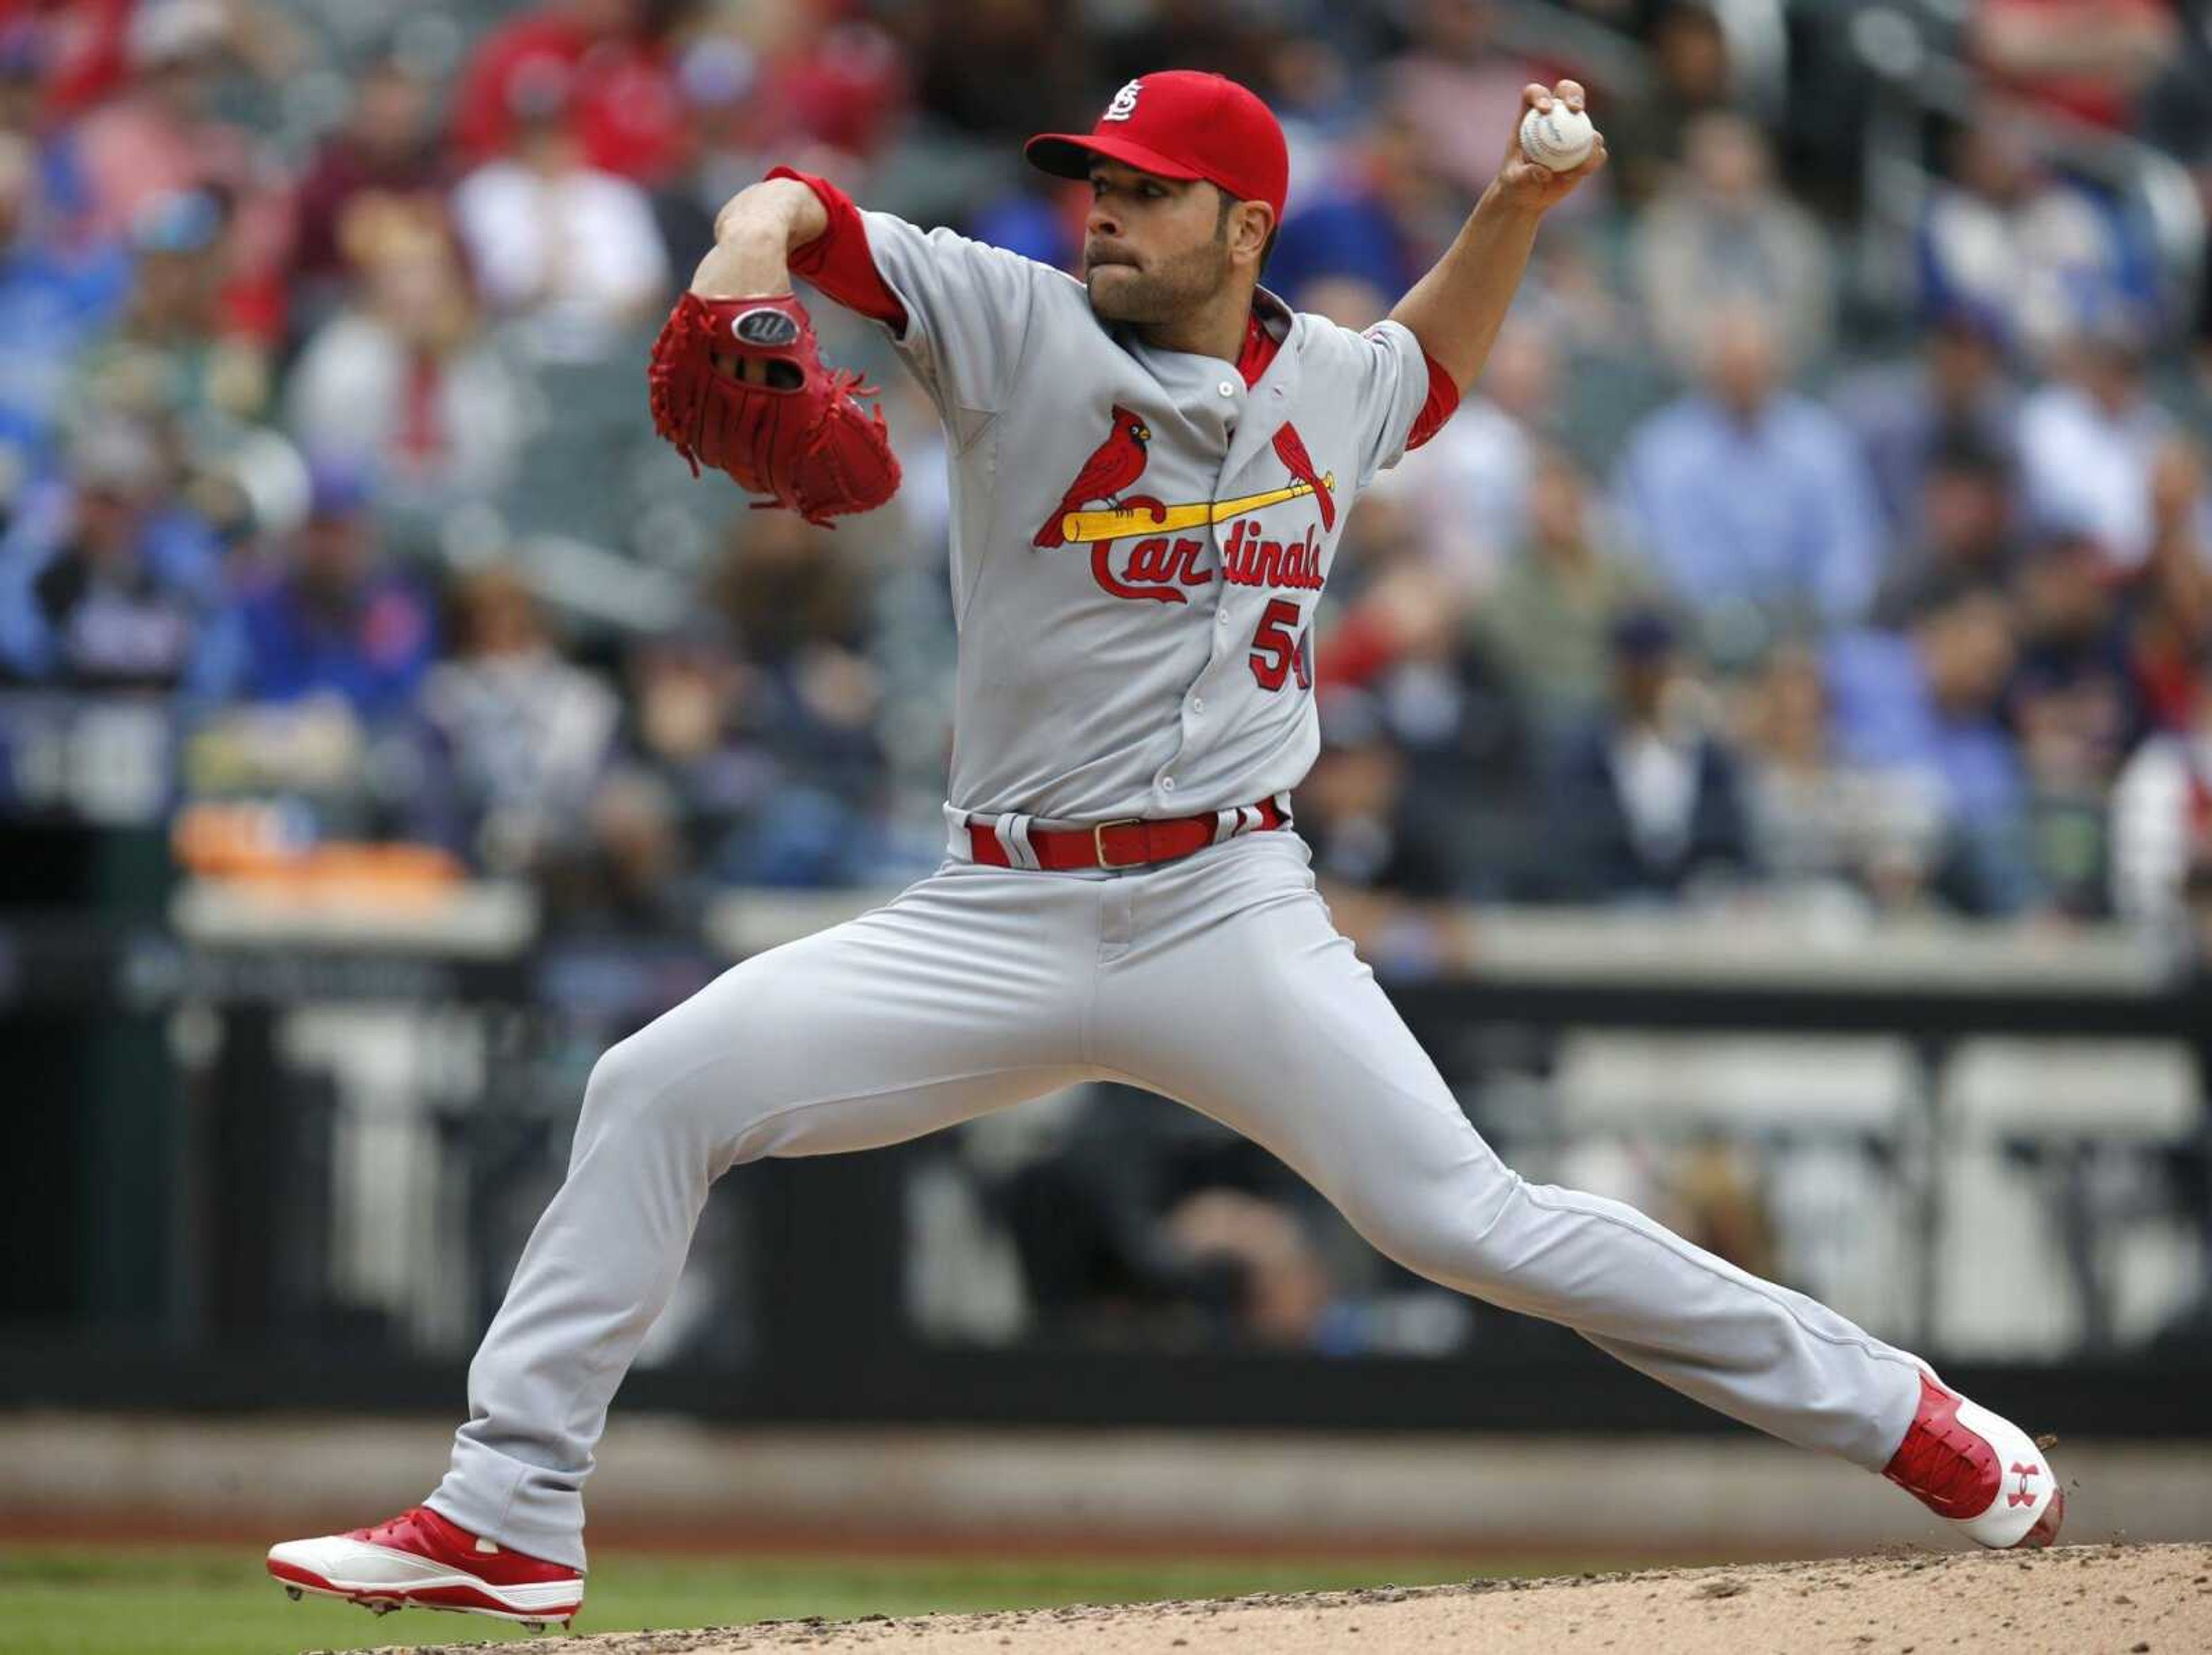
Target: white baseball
x=1559, y=138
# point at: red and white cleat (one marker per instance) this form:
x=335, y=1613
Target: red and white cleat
x=1982, y=1472
x=419, y=1560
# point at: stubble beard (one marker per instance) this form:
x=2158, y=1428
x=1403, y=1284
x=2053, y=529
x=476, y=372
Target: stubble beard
x=1168, y=291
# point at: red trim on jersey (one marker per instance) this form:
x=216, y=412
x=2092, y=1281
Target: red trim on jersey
x=839, y=262
x=1260, y=349
x=1442, y=403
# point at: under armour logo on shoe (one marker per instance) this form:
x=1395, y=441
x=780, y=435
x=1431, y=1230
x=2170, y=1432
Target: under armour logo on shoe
x=490, y=1548
x=2021, y=1496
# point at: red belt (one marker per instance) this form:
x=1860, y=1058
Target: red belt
x=1131, y=842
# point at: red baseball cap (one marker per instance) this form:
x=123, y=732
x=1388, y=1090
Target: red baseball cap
x=1180, y=123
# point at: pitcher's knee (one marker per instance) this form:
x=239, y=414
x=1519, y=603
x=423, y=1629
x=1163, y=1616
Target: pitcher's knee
x=653, y=1087
x=628, y=1083
x=1449, y=1236
x=1451, y=1253
x=616, y=1082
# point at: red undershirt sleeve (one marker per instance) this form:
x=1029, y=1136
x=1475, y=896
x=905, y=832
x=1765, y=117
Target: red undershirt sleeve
x=1442, y=403
x=838, y=261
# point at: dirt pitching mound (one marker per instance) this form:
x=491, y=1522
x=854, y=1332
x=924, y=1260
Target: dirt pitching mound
x=2075, y=1600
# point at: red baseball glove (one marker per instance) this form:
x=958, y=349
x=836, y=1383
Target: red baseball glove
x=792, y=431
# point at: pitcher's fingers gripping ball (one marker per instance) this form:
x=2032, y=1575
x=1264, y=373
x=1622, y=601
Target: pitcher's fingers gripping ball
x=1559, y=138
x=736, y=383
x=1553, y=147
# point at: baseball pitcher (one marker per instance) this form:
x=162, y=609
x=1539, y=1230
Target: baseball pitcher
x=1150, y=468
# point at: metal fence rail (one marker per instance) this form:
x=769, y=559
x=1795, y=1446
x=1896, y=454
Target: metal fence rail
x=213, y=1263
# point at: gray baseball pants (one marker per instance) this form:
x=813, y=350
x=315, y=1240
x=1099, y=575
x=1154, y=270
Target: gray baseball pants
x=1217, y=981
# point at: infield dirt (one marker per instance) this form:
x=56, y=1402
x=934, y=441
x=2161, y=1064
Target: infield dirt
x=2073, y=1600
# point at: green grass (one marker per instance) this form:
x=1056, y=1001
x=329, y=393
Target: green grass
x=204, y=1600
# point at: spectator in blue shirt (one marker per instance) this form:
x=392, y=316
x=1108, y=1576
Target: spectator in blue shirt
x=52, y=300
x=2016, y=242
x=1752, y=502
x=338, y=621
x=1923, y=703
x=106, y=584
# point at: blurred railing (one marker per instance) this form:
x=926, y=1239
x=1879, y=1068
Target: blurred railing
x=287, y=1156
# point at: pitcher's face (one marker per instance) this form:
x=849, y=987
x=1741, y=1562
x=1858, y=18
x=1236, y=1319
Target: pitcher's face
x=1153, y=248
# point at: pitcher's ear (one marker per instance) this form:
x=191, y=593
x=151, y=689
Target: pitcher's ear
x=1256, y=230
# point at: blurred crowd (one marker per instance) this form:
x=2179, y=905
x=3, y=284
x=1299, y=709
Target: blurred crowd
x=1833, y=517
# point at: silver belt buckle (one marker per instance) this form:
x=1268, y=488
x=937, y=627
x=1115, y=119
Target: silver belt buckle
x=1098, y=841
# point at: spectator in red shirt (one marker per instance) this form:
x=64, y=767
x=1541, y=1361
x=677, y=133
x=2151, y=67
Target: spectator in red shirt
x=2161, y=822
x=846, y=88
x=162, y=138
x=159, y=137
x=84, y=44
x=626, y=106
x=2172, y=647
x=388, y=149
x=2086, y=59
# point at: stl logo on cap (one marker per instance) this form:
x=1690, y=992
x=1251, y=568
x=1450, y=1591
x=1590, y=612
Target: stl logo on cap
x=1180, y=124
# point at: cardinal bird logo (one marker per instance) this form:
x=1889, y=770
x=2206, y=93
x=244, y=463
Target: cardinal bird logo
x=1292, y=451
x=1117, y=462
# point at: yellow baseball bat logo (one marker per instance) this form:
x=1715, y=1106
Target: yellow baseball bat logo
x=1085, y=527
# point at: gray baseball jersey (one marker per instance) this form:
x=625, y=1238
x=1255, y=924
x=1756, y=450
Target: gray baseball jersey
x=1138, y=541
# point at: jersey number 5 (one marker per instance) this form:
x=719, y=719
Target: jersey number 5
x=1278, y=652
